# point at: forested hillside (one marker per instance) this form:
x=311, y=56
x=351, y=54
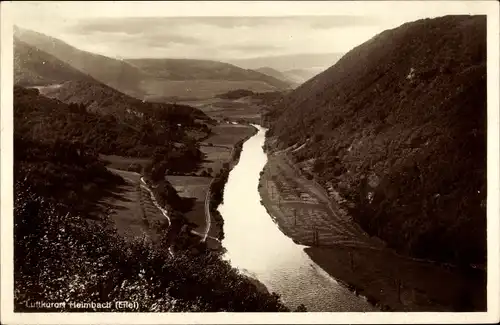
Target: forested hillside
x=54, y=78
x=39, y=117
x=106, y=100
x=398, y=127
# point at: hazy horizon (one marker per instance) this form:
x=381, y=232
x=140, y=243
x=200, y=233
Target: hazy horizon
x=152, y=30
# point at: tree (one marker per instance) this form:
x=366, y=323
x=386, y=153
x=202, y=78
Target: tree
x=301, y=308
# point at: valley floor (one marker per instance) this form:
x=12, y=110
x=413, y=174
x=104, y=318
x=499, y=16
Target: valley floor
x=134, y=214
x=305, y=213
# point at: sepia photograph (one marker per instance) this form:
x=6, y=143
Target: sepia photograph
x=216, y=162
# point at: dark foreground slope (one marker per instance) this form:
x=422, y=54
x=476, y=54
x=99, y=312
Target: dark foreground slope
x=63, y=254
x=398, y=127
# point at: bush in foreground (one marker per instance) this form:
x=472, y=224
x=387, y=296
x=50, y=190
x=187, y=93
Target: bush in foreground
x=65, y=258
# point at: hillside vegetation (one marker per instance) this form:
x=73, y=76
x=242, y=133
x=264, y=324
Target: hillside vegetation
x=398, y=127
x=103, y=99
x=54, y=78
x=66, y=246
x=61, y=254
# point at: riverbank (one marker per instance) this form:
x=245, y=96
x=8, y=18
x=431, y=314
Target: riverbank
x=274, y=260
x=389, y=281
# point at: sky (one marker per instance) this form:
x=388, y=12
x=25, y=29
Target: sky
x=220, y=30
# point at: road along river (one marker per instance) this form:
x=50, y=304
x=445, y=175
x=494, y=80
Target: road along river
x=257, y=247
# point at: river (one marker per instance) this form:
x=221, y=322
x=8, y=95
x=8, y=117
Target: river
x=257, y=247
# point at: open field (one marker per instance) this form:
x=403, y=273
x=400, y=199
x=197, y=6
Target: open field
x=133, y=212
x=215, y=157
x=228, y=134
x=160, y=88
x=226, y=109
x=305, y=213
x=123, y=163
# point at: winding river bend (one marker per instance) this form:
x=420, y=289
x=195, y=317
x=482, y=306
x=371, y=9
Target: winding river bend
x=257, y=247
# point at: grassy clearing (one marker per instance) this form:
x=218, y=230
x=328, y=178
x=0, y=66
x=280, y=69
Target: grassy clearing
x=215, y=157
x=190, y=186
x=195, y=188
x=123, y=163
x=133, y=213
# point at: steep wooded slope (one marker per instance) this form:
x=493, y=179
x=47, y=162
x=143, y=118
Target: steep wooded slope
x=398, y=127
x=101, y=98
x=39, y=117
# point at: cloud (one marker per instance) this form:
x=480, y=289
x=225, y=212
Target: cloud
x=137, y=25
x=148, y=31
x=328, y=22
x=213, y=37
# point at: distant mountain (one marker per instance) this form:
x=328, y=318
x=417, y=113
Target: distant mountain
x=56, y=79
x=200, y=78
x=302, y=75
x=290, y=62
x=275, y=73
x=398, y=128
x=155, y=79
x=115, y=73
x=35, y=67
x=189, y=69
x=100, y=98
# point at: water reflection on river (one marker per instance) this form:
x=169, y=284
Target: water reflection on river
x=256, y=246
